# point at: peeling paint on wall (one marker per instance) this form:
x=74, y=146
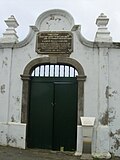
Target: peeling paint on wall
x=108, y=116
x=116, y=137
x=112, y=114
x=2, y=89
x=11, y=139
x=104, y=119
x=17, y=99
x=5, y=61
x=12, y=118
x=114, y=92
x=107, y=92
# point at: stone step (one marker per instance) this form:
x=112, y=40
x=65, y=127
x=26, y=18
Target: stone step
x=86, y=157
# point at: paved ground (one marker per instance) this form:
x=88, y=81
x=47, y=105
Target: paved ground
x=9, y=153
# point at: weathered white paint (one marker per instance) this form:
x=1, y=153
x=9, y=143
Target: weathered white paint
x=13, y=134
x=101, y=142
x=79, y=141
x=101, y=64
x=3, y=133
x=16, y=136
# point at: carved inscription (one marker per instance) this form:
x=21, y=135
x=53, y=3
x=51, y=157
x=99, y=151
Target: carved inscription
x=54, y=42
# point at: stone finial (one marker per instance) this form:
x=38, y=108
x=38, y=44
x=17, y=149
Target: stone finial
x=10, y=35
x=102, y=34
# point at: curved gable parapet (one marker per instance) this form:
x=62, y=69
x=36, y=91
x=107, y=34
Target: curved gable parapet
x=58, y=20
x=32, y=31
x=51, y=20
x=91, y=44
x=77, y=30
x=55, y=19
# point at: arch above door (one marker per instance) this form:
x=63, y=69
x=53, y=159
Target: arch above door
x=54, y=60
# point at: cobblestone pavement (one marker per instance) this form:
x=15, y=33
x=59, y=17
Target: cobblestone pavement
x=9, y=153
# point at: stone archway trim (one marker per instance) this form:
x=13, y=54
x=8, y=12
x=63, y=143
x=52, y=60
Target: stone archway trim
x=56, y=60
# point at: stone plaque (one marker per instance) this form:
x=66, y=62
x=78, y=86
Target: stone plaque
x=54, y=42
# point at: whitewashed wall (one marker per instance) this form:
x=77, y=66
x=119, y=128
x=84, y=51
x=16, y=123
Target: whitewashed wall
x=101, y=64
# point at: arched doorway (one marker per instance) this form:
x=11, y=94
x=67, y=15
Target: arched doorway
x=54, y=83
x=52, y=120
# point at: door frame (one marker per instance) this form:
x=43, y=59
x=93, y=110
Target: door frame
x=54, y=60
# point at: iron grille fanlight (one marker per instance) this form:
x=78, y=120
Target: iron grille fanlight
x=54, y=70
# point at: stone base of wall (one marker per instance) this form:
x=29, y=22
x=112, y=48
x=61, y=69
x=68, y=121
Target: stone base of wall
x=13, y=134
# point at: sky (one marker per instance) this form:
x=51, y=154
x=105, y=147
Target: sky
x=84, y=12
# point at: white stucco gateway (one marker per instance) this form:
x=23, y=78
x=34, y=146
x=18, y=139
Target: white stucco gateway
x=98, y=67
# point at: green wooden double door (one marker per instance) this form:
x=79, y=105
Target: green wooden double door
x=52, y=121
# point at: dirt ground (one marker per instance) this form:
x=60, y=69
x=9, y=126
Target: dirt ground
x=9, y=153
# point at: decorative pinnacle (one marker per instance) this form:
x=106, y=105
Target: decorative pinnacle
x=102, y=20
x=11, y=22
x=102, y=34
x=10, y=36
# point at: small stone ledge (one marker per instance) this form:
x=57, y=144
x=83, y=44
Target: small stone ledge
x=78, y=153
x=102, y=156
